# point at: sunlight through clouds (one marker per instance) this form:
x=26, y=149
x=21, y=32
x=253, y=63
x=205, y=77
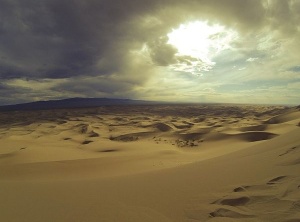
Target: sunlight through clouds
x=87, y=48
x=201, y=41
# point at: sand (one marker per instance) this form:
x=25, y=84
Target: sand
x=151, y=163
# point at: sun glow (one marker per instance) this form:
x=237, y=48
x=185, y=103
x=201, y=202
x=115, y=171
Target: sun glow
x=201, y=41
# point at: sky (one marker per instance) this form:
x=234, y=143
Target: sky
x=221, y=51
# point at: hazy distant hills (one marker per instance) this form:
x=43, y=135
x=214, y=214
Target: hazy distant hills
x=78, y=103
x=73, y=103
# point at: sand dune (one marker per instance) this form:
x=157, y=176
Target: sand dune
x=289, y=116
x=151, y=163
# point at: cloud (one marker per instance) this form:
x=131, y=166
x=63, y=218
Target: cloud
x=251, y=59
x=87, y=86
x=294, y=69
x=119, y=48
x=10, y=94
x=161, y=52
x=58, y=39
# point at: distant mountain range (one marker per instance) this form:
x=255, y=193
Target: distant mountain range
x=73, y=103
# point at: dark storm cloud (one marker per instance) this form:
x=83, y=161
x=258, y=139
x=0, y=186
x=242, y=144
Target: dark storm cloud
x=59, y=38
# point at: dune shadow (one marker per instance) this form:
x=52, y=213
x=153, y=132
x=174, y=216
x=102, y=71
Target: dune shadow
x=108, y=150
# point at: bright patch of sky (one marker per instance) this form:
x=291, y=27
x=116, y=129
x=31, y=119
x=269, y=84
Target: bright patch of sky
x=201, y=41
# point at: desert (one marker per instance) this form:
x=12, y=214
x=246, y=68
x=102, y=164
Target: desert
x=149, y=111
x=160, y=162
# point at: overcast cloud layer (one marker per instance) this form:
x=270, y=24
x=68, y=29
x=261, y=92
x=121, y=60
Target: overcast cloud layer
x=52, y=49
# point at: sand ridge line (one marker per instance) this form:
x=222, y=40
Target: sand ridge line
x=271, y=201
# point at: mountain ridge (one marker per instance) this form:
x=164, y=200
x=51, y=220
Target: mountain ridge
x=73, y=103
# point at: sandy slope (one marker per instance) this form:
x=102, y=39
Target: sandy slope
x=151, y=163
